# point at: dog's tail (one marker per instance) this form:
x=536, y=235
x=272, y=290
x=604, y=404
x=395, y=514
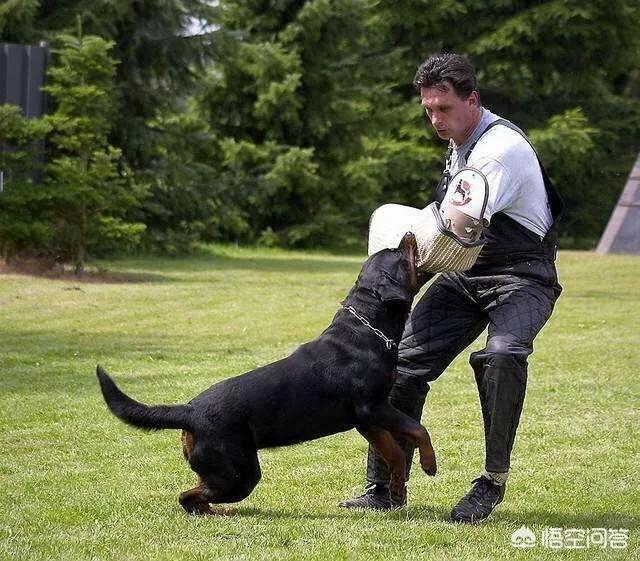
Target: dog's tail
x=138, y=414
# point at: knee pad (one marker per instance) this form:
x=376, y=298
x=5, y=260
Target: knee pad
x=501, y=353
x=491, y=368
x=506, y=345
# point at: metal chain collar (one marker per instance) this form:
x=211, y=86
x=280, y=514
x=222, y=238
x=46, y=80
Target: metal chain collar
x=389, y=343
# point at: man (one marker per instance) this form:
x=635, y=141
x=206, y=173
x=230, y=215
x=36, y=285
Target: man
x=511, y=289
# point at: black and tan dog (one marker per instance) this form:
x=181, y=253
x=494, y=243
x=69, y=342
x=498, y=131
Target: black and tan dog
x=338, y=381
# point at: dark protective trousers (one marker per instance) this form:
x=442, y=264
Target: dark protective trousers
x=451, y=314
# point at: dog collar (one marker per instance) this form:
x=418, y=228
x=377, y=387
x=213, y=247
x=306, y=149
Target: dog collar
x=389, y=343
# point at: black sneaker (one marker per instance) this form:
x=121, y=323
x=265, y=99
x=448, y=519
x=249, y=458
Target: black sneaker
x=375, y=497
x=479, y=502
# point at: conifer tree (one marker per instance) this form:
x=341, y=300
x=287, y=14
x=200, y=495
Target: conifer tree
x=87, y=184
x=564, y=70
x=18, y=20
x=291, y=101
x=23, y=225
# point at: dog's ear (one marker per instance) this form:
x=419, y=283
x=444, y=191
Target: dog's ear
x=375, y=278
x=390, y=290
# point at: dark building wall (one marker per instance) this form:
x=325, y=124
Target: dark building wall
x=22, y=75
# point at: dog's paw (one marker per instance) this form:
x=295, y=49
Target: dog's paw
x=429, y=465
x=398, y=499
x=199, y=509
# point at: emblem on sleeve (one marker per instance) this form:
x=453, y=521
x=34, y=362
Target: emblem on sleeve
x=462, y=193
x=468, y=191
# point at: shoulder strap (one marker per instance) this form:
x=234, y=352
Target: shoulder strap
x=556, y=202
x=503, y=122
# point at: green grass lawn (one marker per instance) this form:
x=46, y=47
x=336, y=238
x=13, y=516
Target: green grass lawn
x=78, y=484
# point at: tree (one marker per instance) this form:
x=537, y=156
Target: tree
x=290, y=102
x=160, y=62
x=287, y=122
x=564, y=70
x=88, y=185
x=181, y=208
x=316, y=123
x=23, y=201
x=17, y=20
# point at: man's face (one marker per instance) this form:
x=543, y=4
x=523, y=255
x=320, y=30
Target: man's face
x=450, y=115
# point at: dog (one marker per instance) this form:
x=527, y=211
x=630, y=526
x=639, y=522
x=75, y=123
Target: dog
x=339, y=381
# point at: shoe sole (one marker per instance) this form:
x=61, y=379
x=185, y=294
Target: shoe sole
x=468, y=521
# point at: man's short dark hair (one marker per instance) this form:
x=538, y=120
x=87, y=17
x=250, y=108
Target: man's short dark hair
x=444, y=69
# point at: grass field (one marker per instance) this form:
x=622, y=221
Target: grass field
x=78, y=484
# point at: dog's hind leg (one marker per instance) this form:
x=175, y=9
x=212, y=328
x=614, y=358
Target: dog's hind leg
x=227, y=473
x=404, y=427
x=385, y=444
x=220, y=486
x=195, y=501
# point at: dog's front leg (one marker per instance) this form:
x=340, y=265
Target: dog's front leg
x=393, y=455
x=404, y=427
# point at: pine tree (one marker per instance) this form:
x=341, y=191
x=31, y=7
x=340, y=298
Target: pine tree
x=88, y=186
x=564, y=70
x=17, y=20
x=23, y=200
x=160, y=61
x=306, y=118
x=291, y=100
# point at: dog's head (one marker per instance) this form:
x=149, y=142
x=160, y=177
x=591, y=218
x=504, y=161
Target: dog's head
x=391, y=273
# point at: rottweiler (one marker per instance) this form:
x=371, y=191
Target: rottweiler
x=338, y=381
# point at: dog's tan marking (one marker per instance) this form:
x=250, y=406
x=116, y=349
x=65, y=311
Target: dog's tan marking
x=386, y=445
x=187, y=444
x=195, y=502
